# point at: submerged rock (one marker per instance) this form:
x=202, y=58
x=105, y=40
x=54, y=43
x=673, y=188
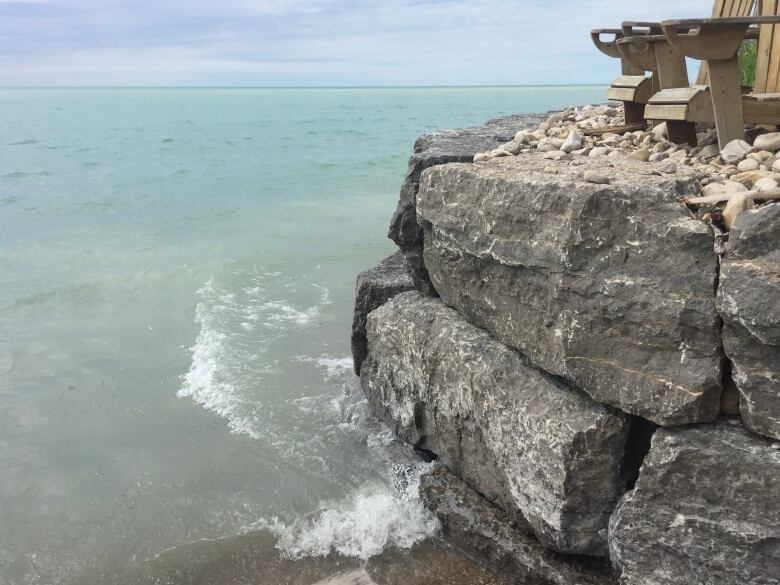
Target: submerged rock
x=374, y=288
x=438, y=148
x=704, y=510
x=610, y=286
x=749, y=303
x=545, y=453
x=486, y=532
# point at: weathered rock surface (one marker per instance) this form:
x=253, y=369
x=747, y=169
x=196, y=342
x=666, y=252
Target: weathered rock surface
x=545, y=453
x=749, y=303
x=705, y=510
x=374, y=288
x=486, y=532
x=610, y=286
x=438, y=148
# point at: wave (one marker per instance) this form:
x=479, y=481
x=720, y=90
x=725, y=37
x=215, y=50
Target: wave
x=240, y=319
x=364, y=523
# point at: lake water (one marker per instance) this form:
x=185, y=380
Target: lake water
x=176, y=283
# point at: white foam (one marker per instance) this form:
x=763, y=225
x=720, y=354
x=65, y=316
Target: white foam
x=362, y=525
x=335, y=367
x=238, y=325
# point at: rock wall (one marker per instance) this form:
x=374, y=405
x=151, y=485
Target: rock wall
x=438, y=148
x=570, y=375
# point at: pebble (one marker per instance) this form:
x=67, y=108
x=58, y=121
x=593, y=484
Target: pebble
x=480, y=156
x=551, y=170
x=735, y=151
x=600, y=151
x=709, y=152
x=548, y=144
x=523, y=137
x=573, y=142
x=659, y=132
x=557, y=155
x=596, y=177
x=658, y=156
x=512, y=147
x=641, y=154
x=776, y=165
x=749, y=164
x=723, y=188
x=765, y=184
x=770, y=141
x=668, y=168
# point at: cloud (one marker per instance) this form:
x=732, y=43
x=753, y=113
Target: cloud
x=313, y=42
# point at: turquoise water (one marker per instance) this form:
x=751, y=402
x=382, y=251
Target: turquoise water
x=177, y=271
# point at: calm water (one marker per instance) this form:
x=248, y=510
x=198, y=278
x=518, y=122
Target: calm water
x=176, y=283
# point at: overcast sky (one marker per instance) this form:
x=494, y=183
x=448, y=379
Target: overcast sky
x=314, y=42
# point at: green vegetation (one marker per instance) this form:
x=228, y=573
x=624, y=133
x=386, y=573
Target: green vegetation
x=747, y=63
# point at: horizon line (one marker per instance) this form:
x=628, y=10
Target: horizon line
x=476, y=86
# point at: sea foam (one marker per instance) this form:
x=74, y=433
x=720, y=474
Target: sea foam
x=364, y=523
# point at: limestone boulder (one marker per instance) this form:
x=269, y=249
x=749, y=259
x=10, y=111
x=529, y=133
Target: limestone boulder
x=374, y=288
x=439, y=148
x=544, y=452
x=609, y=286
x=704, y=510
x=487, y=533
x=749, y=303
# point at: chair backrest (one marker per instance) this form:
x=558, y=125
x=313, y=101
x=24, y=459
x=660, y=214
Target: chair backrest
x=724, y=9
x=768, y=51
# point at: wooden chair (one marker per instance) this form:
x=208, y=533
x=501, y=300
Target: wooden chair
x=637, y=56
x=717, y=42
x=632, y=87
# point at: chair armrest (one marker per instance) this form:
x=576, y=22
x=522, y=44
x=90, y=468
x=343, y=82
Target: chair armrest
x=712, y=38
x=634, y=28
x=609, y=48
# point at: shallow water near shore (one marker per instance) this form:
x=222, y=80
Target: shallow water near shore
x=177, y=271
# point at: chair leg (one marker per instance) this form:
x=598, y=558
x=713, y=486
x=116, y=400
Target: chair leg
x=726, y=94
x=634, y=113
x=681, y=132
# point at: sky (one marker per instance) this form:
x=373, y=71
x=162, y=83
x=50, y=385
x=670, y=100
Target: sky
x=314, y=42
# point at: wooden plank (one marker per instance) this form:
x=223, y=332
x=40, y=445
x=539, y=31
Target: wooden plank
x=774, y=62
x=761, y=112
x=761, y=97
x=621, y=94
x=726, y=94
x=764, y=48
x=677, y=95
x=667, y=112
x=629, y=80
x=672, y=71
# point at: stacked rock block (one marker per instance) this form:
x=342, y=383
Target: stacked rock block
x=563, y=352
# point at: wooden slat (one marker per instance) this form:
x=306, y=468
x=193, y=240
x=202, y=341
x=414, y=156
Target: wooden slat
x=621, y=94
x=757, y=111
x=667, y=112
x=761, y=97
x=674, y=96
x=629, y=81
x=764, y=48
x=768, y=54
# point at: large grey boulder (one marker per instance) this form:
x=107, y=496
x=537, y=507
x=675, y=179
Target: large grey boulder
x=705, y=510
x=438, y=148
x=610, y=286
x=545, y=453
x=749, y=302
x=485, y=532
x=375, y=287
